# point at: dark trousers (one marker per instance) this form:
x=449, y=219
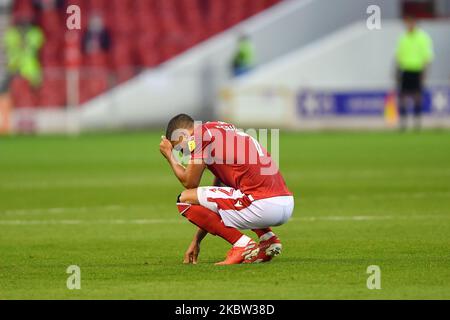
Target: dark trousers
x=410, y=88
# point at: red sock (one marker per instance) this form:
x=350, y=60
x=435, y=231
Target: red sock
x=209, y=221
x=261, y=232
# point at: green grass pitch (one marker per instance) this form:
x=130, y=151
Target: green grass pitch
x=107, y=204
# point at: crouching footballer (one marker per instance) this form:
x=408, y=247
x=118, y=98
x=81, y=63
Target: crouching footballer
x=248, y=193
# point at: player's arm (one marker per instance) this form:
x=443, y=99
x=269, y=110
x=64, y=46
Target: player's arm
x=191, y=255
x=190, y=176
x=193, y=174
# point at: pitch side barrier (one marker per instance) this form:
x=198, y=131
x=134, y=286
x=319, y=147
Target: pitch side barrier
x=309, y=109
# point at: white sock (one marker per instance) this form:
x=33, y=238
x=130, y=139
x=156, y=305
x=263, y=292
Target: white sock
x=242, y=242
x=266, y=236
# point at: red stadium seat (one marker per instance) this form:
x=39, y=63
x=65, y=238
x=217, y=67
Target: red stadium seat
x=236, y=11
x=97, y=59
x=125, y=74
x=142, y=6
x=52, y=92
x=169, y=49
x=121, y=5
x=121, y=55
x=121, y=24
x=51, y=22
x=23, y=95
x=216, y=16
x=147, y=53
x=191, y=15
x=23, y=10
x=93, y=83
x=144, y=33
x=270, y=3
x=149, y=59
x=51, y=55
x=97, y=5
x=146, y=22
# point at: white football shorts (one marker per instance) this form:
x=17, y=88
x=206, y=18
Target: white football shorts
x=240, y=211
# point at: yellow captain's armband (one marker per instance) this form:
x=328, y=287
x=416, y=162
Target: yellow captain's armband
x=191, y=144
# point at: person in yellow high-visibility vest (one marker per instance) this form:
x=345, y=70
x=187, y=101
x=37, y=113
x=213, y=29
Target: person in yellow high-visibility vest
x=12, y=41
x=22, y=43
x=414, y=55
x=244, y=58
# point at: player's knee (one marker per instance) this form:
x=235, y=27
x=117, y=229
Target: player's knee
x=182, y=197
x=189, y=196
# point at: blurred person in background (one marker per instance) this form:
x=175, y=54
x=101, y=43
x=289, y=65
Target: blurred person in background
x=22, y=43
x=97, y=38
x=48, y=4
x=244, y=58
x=414, y=54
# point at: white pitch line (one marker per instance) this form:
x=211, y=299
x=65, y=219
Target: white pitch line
x=82, y=183
x=177, y=221
x=115, y=207
x=23, y=212
x=90, y=222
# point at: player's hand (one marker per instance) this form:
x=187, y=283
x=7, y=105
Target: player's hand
x=191, y=255
x=165, y=147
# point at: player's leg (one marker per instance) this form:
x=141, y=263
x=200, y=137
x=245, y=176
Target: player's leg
x=217, y=198
x=263, y=234
x=211, y=222
x=403, y=111
x=242, y=212
x=269, y=246
x=417, y=97
x=189, y=196
x=404, y=96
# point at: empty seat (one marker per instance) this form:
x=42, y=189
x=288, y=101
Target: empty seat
x=97, y=5
x=50, y=21
x=50, y=55
x=52, y=93
x=236, y=11
x=124, y=74
x=147, y=50
x=96, y=59
x=143, y=33
x=23, y=95
x=121, y=55
x=121, y=24
x=23, y=10
x=93, y=83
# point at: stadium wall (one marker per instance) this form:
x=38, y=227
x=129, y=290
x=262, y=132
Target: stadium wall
x=345, y=80
x=190, y=83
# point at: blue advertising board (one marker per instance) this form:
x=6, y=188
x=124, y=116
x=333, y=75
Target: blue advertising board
x=436, y=101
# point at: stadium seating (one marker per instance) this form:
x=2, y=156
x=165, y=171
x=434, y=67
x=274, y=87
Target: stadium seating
x=144, y=33
x=23, y=94
x=52, y=93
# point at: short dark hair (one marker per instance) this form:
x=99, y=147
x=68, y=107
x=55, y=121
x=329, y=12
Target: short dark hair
x=181, y=121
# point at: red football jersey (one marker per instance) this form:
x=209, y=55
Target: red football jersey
x=238, y=160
